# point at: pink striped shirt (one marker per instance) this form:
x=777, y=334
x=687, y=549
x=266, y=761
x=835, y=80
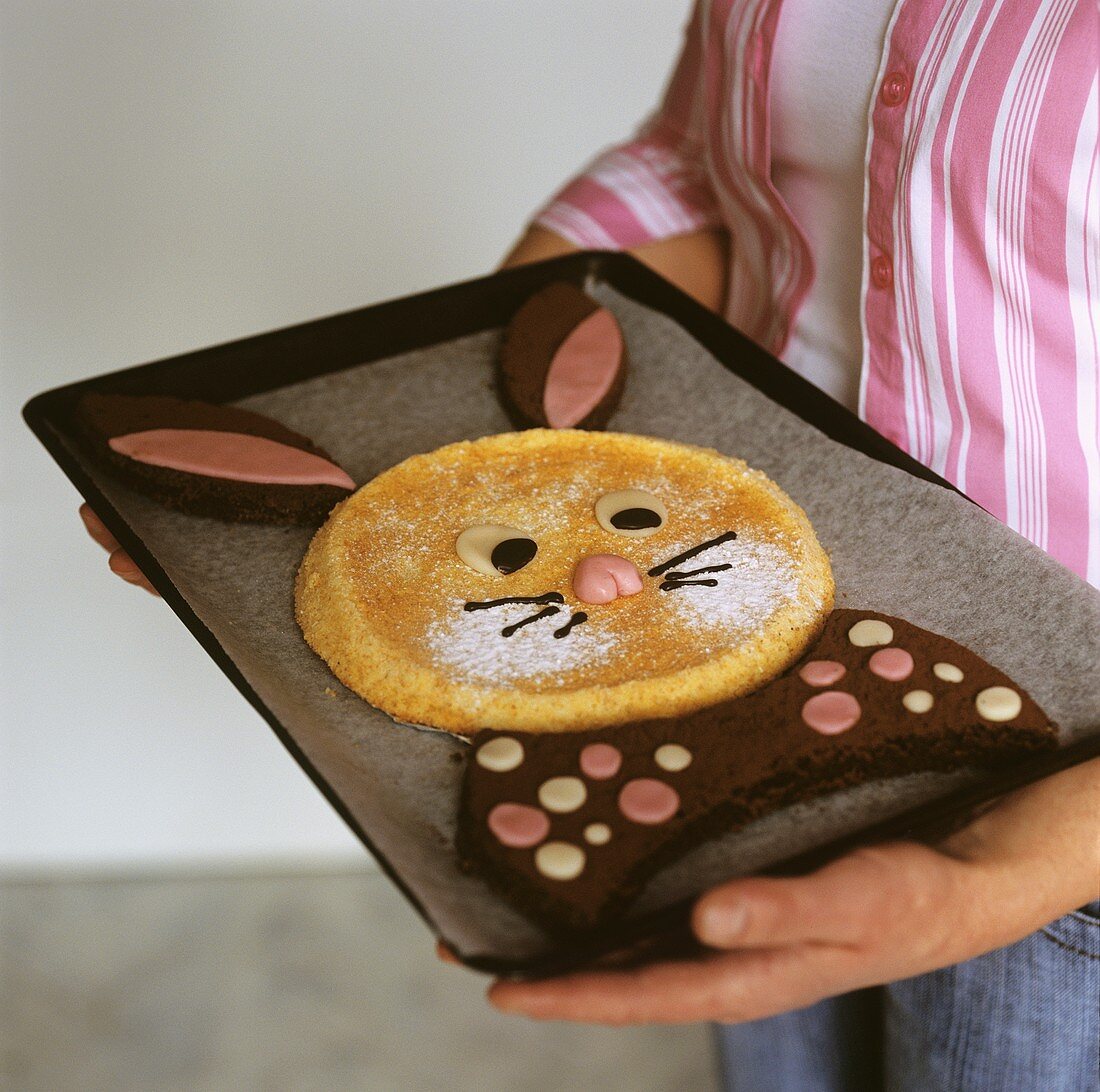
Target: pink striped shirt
x=981, y=245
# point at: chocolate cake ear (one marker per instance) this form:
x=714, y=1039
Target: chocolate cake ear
x=211, y=460
x=563, y=361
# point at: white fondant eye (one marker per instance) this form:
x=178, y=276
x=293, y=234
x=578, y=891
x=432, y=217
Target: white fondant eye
x=631, y=512
x=494, y=550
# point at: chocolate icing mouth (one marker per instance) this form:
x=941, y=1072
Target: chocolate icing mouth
x=579, y=618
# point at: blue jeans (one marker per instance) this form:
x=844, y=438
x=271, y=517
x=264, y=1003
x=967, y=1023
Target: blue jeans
x=1021, y=1019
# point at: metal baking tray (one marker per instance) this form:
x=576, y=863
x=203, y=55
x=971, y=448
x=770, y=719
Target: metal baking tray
x=326, y=349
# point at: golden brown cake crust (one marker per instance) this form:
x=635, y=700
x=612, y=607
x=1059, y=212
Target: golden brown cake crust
x=381, y=593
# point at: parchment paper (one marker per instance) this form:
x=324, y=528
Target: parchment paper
x=897, y=544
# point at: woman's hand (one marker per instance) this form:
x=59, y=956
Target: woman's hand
x=876, y=915
x=120, y=562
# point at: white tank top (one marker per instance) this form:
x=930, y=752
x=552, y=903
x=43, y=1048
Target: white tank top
x=824, y=63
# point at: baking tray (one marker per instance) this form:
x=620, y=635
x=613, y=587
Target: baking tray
x=315, y=358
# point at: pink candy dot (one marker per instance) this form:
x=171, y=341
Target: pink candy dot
x=831, y=712
x=518, y=826
x=892, y=664
x=821, y=672
x=646, y=800
x=600, y=761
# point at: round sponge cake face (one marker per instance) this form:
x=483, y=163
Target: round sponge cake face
x=717, y=583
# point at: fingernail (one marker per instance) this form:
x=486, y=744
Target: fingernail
x=505, y=1001
x=722, y=924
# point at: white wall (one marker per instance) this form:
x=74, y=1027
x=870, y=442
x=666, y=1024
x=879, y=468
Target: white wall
x=176, y=174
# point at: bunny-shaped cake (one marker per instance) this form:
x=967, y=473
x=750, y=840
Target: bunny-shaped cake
x=636, y=636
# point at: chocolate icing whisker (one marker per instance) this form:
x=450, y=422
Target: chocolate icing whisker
x=509, y=630
x=488, y=604
x=687, y=555
x=697, y=572
x=672, y=585
x=576, y=620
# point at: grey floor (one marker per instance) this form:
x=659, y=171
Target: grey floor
x=281, y=984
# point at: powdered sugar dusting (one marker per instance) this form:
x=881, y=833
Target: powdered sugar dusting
x=762, y=578
x=470, y=643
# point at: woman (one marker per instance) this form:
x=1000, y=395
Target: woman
x=900, y=201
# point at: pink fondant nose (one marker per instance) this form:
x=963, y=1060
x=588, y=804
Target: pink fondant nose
x=602, y=578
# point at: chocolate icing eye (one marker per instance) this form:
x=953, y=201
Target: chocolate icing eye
x=494, y=550
x=631, y=512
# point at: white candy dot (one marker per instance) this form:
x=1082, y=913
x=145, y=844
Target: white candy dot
x=672, y=757
x=559, y=860
x=998, y=703
x=918, y=701
x=598, y=834
x=501, y=754
x=562, y=794
x=870, y=631
x=947, y=672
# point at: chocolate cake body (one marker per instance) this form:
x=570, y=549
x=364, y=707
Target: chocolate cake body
x=885, y=698
x=108, y=419
x=536, y=333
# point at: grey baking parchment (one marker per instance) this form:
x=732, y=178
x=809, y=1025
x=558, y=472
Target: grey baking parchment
x=898, y=545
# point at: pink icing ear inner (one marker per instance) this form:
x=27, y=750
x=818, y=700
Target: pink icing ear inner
x=233, y=456
x=582, y=370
